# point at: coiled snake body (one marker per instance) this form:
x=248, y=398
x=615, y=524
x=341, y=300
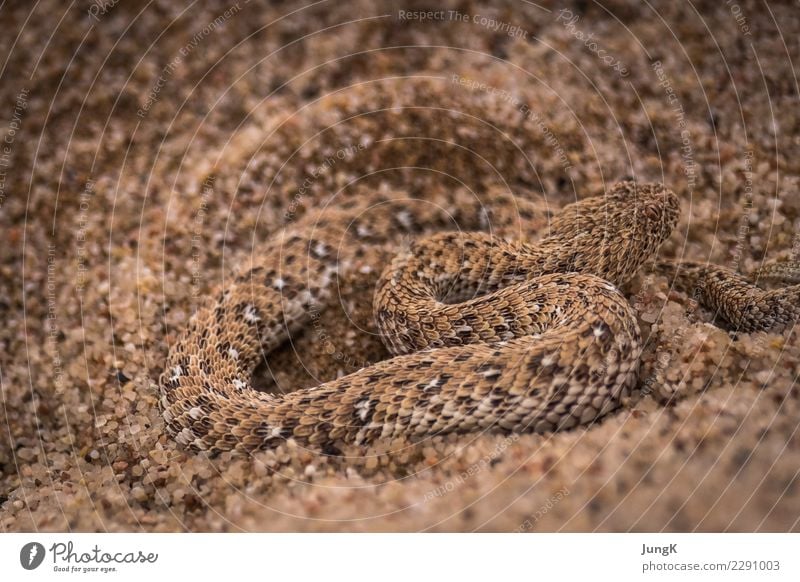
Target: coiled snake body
x=488, y=335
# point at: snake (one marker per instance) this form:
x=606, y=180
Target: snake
x=486, y=333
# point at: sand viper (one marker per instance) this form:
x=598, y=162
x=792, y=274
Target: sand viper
x=488, y=334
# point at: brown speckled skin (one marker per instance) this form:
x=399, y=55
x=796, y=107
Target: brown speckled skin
x=734, y=298
x=489, y=334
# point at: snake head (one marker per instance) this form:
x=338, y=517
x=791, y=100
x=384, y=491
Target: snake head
x=641, y=218
x=649, y=211
x=613, y=235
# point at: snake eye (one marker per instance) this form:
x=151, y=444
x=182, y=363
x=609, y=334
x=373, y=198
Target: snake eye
x=650, y=212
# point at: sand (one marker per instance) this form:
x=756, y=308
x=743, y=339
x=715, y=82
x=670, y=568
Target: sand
x=146, y=150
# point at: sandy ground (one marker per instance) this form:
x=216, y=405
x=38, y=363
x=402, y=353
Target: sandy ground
x=147, y=147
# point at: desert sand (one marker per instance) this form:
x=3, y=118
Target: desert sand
x=147, y=149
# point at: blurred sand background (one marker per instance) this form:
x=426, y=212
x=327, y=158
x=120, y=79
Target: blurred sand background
x=147, y=148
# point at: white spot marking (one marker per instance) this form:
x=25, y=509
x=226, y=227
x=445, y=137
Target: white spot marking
x=432, y=384
x=404, y=218
x=362, y=407
x=177, y=372
x=321, y=249
x=250, y=314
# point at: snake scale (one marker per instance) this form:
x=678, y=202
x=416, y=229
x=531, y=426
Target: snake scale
x=487, y=334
